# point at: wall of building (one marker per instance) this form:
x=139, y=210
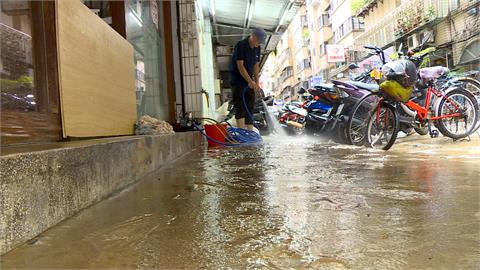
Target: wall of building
x=321, y=33
x=190, y=58
x=341, y=13
x=197, y=60
x=382, y=9
x=206, y=65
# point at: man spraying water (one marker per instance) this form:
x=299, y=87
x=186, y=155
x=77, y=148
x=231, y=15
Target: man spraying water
x=244, y=72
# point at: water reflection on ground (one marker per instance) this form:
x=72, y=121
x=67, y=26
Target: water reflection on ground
x=290, y=203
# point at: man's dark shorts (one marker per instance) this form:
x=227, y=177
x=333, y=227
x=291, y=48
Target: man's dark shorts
x=240, y=112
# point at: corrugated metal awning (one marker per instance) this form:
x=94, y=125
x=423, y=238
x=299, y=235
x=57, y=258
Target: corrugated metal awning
x=232, y=20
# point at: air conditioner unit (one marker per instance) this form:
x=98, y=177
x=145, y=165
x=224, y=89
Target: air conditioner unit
x=413, y=41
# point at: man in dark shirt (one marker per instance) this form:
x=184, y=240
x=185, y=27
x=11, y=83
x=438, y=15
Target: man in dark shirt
x=244, y=72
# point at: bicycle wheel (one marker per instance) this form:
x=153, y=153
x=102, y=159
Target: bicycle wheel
x=473, y=86
x=458, y=127
x=383, y=127
x=355, y=129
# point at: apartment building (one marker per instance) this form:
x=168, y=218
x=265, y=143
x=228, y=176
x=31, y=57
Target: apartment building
x=291, y=67
x=346, y=27
x=301, y=50
x=455, y=25
x=321, y=34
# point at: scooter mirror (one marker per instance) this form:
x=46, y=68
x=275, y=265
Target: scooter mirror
x=302, y=91
x=353, y=66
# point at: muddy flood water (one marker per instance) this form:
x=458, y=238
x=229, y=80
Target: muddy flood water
x=288, y=204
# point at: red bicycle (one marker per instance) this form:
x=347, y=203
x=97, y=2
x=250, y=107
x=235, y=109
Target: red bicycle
x=454, y=113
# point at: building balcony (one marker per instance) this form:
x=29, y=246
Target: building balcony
x=366, y=7
x=410, y=17
x=286, y=54
x=305, y=63
x=286, y=74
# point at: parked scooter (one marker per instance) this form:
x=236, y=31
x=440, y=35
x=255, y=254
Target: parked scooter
x=292, y=119
x=326, y=111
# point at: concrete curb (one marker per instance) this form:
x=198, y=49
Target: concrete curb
x=40, y=189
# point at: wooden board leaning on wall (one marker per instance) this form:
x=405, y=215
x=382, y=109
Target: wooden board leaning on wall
x=96, y=74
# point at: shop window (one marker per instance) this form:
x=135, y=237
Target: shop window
x=144, y=33
x=28, y=74
x=17, y=67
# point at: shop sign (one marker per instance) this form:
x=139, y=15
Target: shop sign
x=315, y=80
x=335, y=53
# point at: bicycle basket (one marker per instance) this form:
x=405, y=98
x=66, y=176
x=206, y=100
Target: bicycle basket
x=396, y=91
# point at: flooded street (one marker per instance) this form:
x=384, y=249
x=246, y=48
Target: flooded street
x=295, y=203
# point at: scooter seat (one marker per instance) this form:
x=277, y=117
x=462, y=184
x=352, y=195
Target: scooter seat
x=368, y=86
x=326, y=85
x=317, y=90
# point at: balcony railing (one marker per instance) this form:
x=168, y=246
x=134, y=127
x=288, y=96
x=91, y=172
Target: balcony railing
x=286, y=74
x=409, y=16
x=367, y=5
x=284, y=55
x=305, y=63
x=304, y=21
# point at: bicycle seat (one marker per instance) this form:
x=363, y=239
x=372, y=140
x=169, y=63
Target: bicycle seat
x=432, y=73
x=368, y=86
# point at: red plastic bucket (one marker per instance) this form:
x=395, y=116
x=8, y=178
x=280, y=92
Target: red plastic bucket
x=216, y=132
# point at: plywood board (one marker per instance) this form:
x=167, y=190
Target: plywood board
x=96, y=74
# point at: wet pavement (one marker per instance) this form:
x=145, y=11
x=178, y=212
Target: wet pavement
x=296, y=203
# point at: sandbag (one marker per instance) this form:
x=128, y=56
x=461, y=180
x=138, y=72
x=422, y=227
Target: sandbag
x=148, y=125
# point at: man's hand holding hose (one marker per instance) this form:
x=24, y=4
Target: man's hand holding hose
x=253, y=85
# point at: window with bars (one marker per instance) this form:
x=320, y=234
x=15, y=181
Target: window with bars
x=351, y=24
x=322, y=21
x=305, y=63
x=304, y=20
x=323, y=48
